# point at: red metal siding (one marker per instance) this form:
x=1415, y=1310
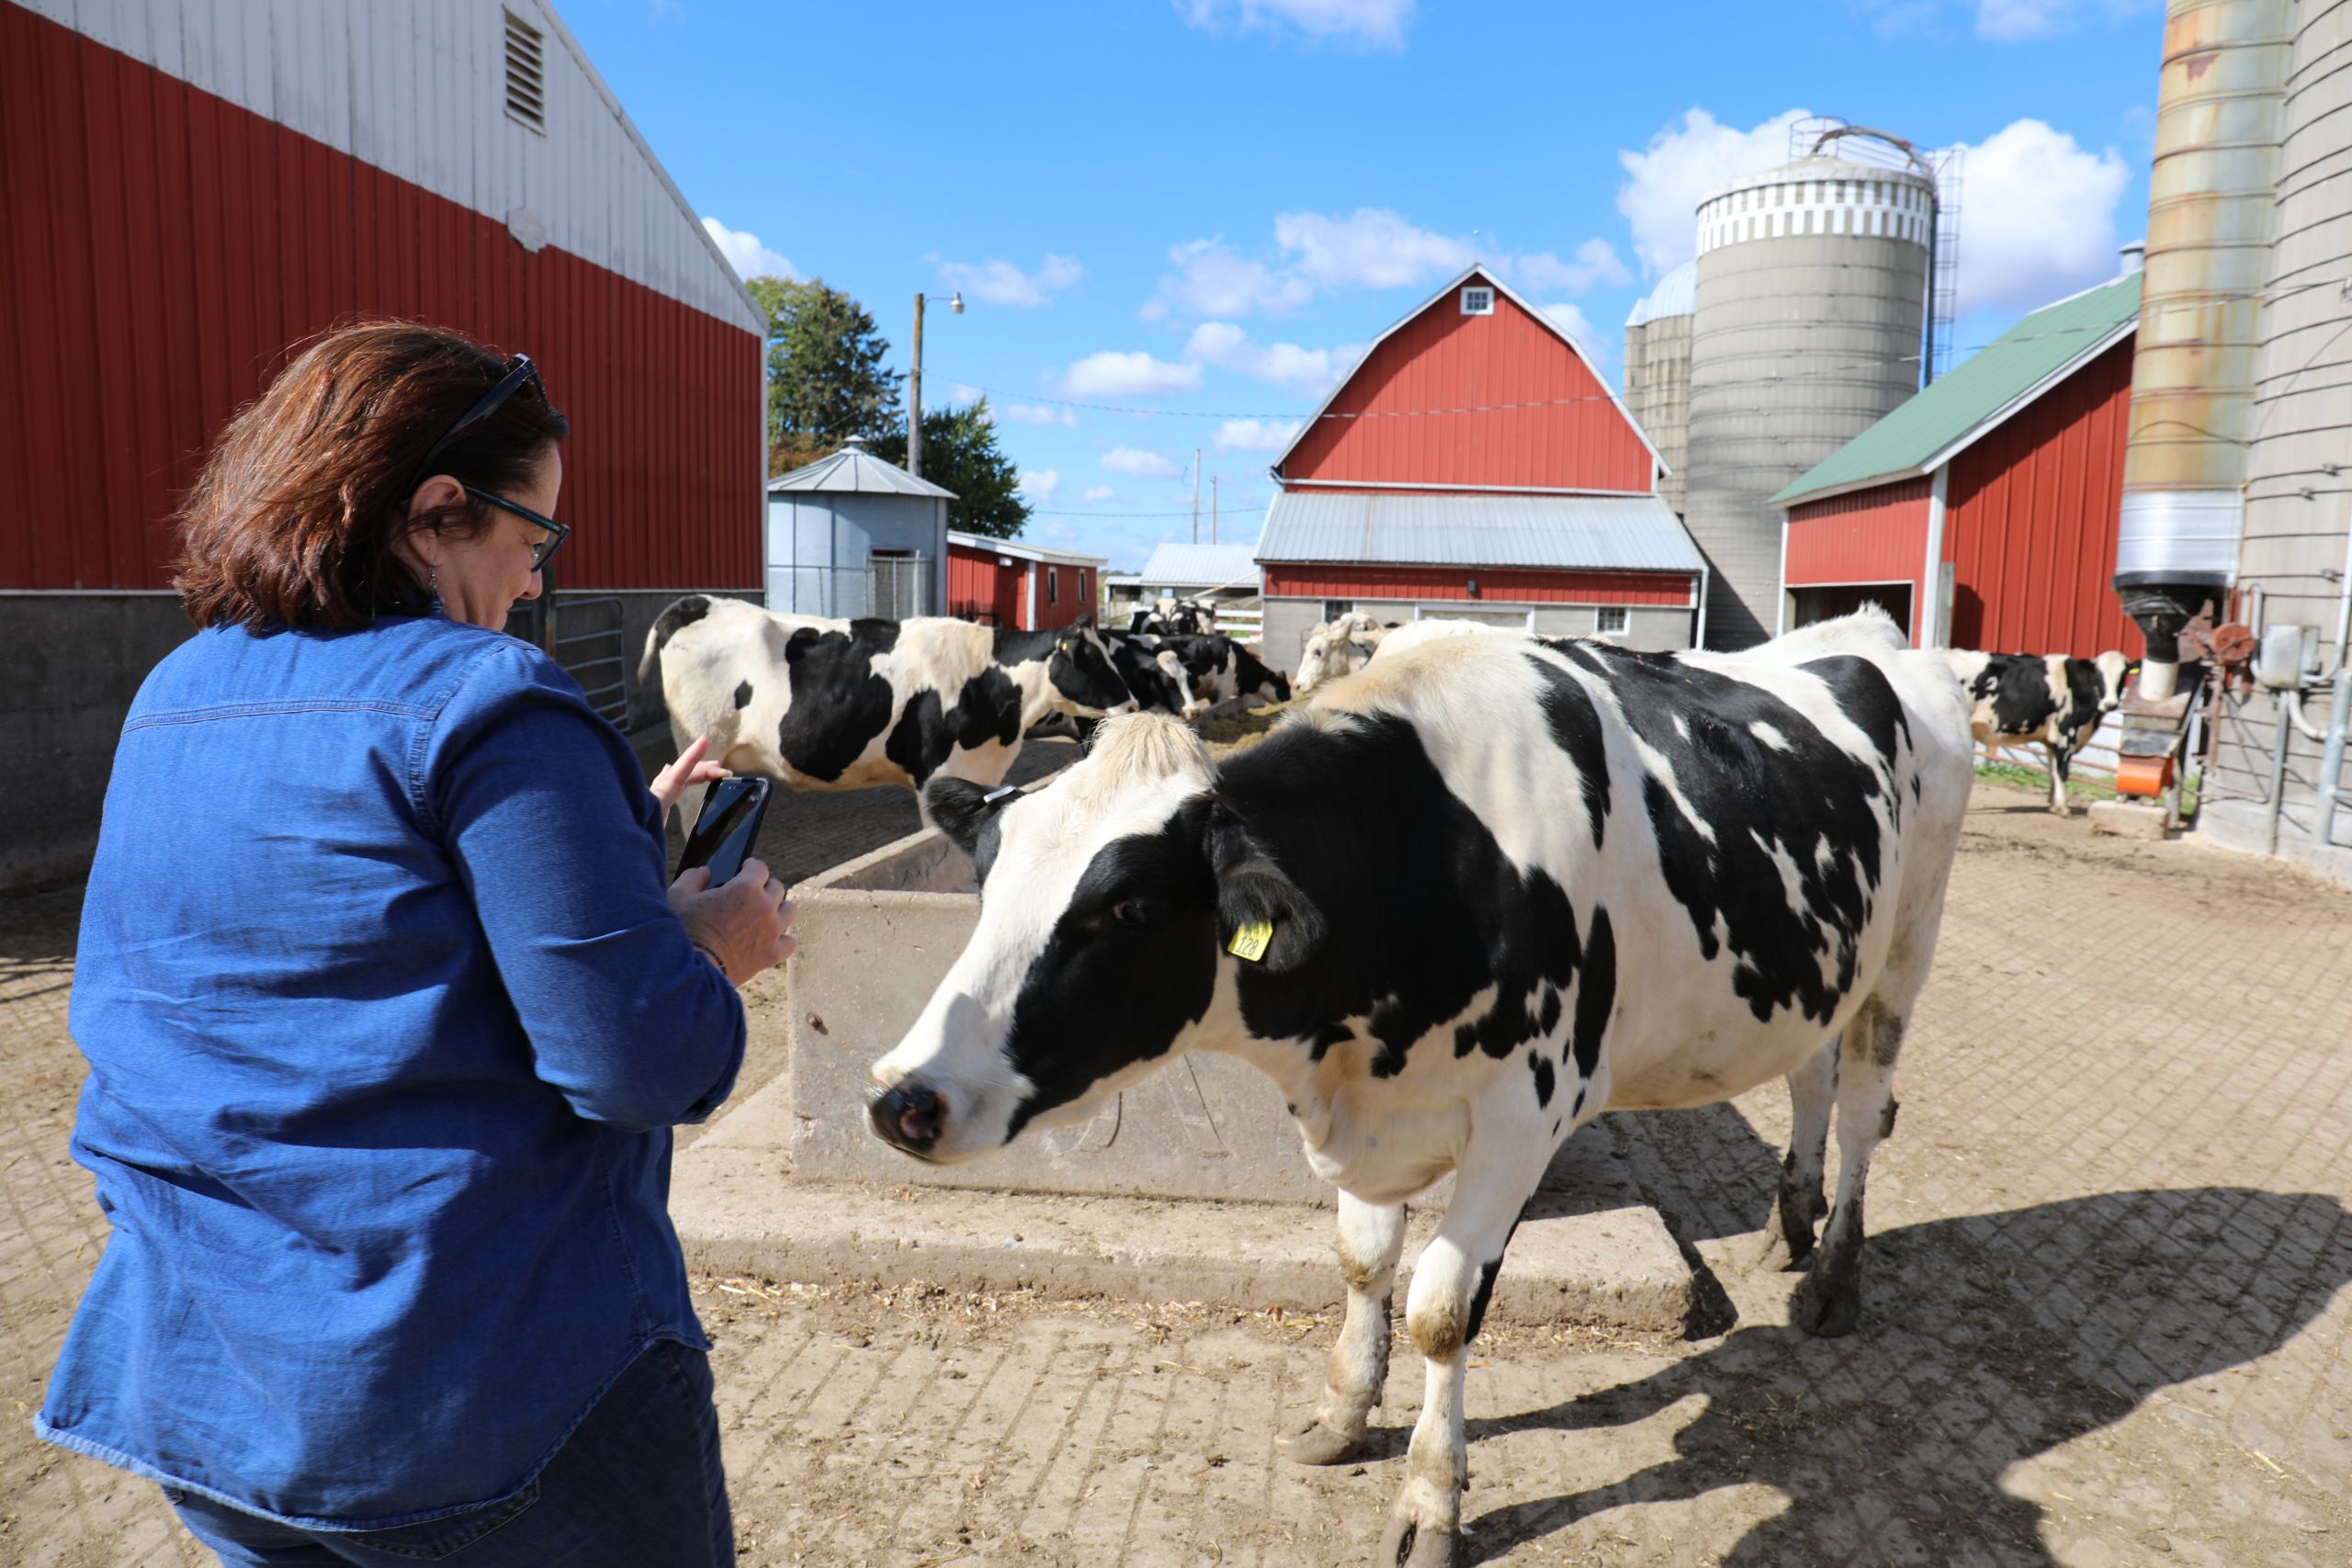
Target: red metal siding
x=980, y=590
x=1878, y=534
x=2029, y=521
x=164, y=251
x=1531, y=414
x=1676, y=590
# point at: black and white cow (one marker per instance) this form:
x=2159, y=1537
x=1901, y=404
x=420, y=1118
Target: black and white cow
x=1220, y=669
x=2031, y=699
x=1464, y=902
x=1155, y=677
x=1338, y=648
x=823, y=705
x=1174, y=618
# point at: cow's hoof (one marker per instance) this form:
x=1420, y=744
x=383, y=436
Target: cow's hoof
x=1320, y=1444
x=1828, y=1305
x=1783, y=1252
x=1406, y=1543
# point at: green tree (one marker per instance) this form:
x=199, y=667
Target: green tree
x=960, y=453
x=825, y=378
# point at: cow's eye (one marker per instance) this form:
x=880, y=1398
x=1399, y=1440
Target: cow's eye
x=1130, y=912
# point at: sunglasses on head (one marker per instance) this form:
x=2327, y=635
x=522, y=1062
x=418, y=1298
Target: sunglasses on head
x=520, y=372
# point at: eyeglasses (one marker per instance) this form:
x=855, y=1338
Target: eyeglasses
x=519, y=370
x=557, y=532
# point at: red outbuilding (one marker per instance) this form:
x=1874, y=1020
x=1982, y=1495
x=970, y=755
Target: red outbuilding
x=192, y=192
x=1475, y=465
x=1017, y=584
x=1981, y=514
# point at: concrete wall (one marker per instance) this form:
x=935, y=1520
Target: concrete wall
x=76, y=661
x=1652, y=630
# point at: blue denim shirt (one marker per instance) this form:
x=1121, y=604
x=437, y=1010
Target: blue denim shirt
x=388, y=1020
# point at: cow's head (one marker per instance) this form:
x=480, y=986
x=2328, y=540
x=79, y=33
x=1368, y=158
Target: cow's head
x=2113, y=669
x=1111, y=902
x=1080, y=673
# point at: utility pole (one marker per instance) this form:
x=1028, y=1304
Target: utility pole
x=1196, y=495
x=914, y=384
x=1212, y=508
x=914, y=398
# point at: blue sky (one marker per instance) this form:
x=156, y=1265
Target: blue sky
x=1209, y=207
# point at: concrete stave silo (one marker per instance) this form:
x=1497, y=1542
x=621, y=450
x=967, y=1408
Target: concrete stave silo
x=1658, y=373
x=1811, y=293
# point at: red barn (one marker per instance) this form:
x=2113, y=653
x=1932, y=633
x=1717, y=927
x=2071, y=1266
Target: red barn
x=1017, y=584
x=192, y=191
x=1981, y=511
x=1476, y=464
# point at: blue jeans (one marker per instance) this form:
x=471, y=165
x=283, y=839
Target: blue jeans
x=640, y=1482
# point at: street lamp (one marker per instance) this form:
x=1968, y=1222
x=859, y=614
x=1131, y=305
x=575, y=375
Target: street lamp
x=914, y=382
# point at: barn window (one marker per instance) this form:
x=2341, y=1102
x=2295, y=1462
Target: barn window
x=527, y=94
x=1478, y=301
x=1083, y=597
x=1611, y=620
x=1053, y=585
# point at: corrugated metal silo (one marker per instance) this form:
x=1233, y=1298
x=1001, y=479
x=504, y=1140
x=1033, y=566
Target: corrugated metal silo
x=1658, y=373
x=1811, y=295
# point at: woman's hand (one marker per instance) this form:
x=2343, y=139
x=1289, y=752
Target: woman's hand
x=741, y=923
x=670, y=785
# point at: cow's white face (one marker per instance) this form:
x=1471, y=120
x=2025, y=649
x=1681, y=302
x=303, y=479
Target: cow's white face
x=1098, y=950
x=2112, y=669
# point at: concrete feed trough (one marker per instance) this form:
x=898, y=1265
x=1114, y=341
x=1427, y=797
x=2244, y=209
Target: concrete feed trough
x=877, y=934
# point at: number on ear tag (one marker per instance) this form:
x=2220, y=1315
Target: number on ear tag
x=1249, y=940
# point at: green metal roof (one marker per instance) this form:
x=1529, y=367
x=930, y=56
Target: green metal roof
x=1988, y=385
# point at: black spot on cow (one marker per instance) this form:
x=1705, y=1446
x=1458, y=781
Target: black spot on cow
x=1330, y=1034
x=1545, y=1080
x=1547, y=1017
x=838, y=705
x=879, y=635
x=743, y=696
x=1597, y=996
x=1810, y=797
x=1575, y=727
x=1485, y=1292
x=986, y=709
x=2018, y=684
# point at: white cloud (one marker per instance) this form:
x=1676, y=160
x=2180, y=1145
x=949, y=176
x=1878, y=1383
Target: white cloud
x=1093, y=493
x=2013, y=251
x=1210, y=280
x=1256, y=434
x=2007, y=20
x=1039, y=484
x=1111, y=373
x=1309, y=372
x=746, y=255
x=1372, y=247
x=1660, y=197
x=1374, y=23
x=999, y=282
x=1038, y=414
x=1135, y=463
x=1596, y=262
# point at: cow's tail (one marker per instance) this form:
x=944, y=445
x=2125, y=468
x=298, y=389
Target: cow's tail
x=682, y=612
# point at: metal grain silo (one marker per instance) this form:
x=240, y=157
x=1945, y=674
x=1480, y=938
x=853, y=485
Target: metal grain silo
x=1658, y=373
x=1810, y=294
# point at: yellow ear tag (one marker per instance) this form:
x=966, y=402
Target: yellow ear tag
x=1249, y=940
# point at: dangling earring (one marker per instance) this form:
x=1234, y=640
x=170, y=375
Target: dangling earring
x=433, y=586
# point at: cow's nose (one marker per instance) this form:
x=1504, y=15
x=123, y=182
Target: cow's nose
x=910, y=1116
x=1130, y=705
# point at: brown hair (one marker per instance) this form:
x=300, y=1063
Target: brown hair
x=292, y=521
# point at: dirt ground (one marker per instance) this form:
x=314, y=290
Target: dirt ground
x=2108, y=1305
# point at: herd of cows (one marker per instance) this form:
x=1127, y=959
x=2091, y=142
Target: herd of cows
x=1480, y=889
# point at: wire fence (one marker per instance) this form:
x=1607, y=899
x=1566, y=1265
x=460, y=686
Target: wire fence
x=894, y=588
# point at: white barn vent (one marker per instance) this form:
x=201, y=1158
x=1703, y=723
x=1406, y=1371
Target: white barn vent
x=527, y=99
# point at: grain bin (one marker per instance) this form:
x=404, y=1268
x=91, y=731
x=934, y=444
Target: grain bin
x=1658, y=373
x=1811, y=293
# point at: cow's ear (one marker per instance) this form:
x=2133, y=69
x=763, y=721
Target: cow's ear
x=1259, y=910
x=964, y=810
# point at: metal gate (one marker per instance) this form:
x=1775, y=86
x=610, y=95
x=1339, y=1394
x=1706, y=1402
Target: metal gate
x=590, y=642
x=900, y=586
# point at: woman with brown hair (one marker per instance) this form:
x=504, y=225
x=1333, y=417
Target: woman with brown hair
x=388, y=1015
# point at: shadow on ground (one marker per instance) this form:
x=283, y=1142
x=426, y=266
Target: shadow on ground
x=1987, y=1340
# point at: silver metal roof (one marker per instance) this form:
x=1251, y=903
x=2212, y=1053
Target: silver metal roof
x=1676, y=294
x=1608, y=533
x=854, y=471
x=1202, y=566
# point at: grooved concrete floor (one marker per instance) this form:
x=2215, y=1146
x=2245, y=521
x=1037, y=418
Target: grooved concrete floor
x=2108, y=1314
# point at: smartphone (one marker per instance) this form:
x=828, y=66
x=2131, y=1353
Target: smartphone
x=729, y=823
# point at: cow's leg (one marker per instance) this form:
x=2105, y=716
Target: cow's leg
x=1812, y=1088
x=1371, y=1236
x=1829, y=1302
x=2059, y=759
x=1452, y=1281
